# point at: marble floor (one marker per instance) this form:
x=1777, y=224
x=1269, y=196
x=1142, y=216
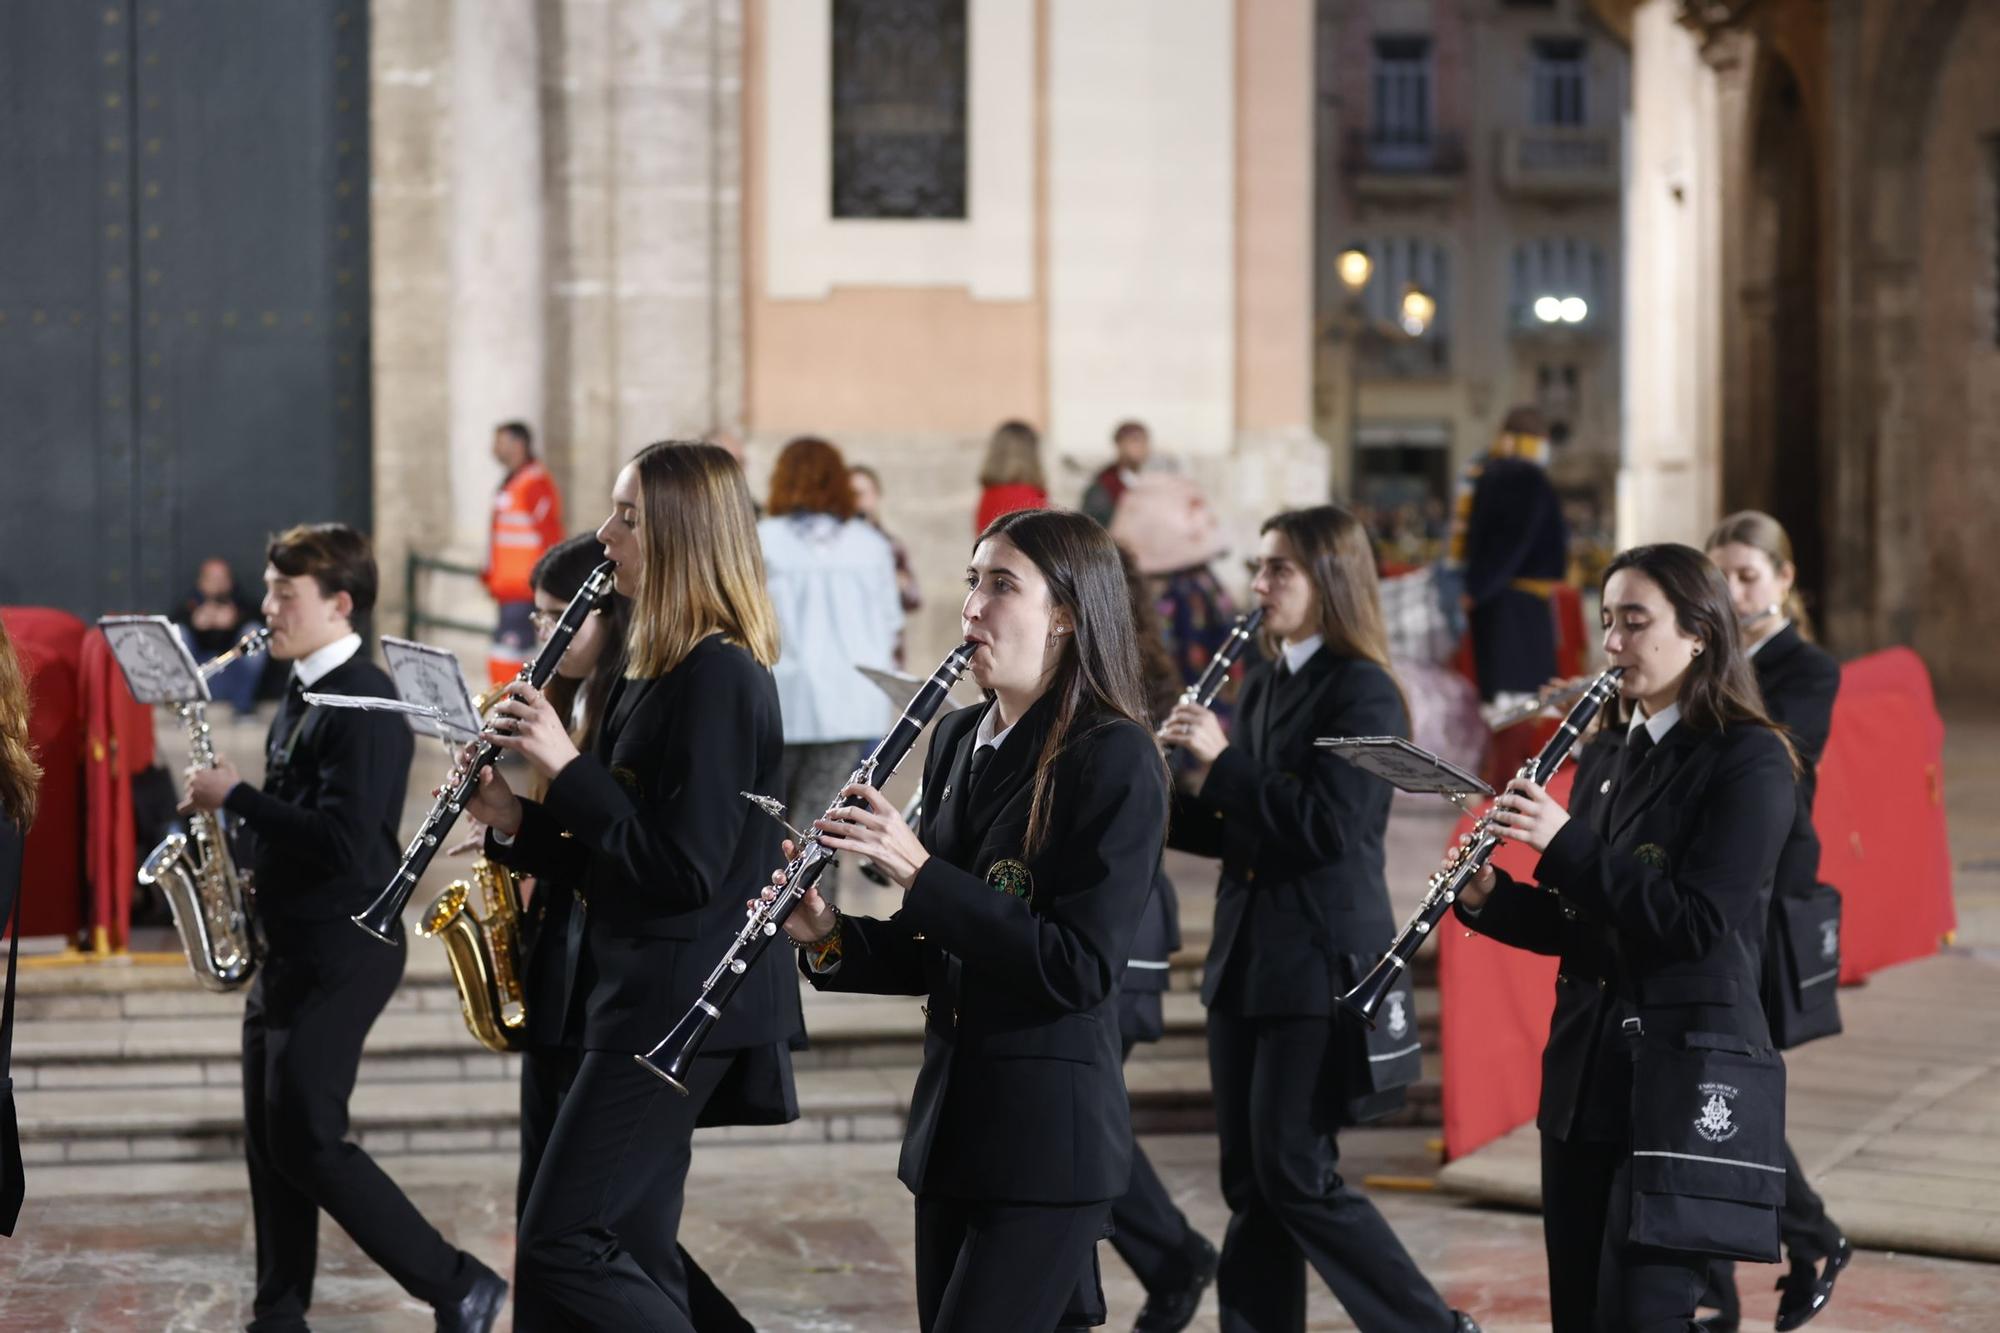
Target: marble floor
x=829, y=1257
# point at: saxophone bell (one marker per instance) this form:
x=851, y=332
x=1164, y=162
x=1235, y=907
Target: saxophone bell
x=485, y=953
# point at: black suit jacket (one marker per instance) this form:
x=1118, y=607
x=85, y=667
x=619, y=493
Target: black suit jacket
x=1302, y=900
x=650, y=829
x=1654, y=899
x=323, y=829
x=1021, y=1096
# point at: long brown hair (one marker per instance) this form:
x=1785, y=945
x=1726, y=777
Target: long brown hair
x=561, y=573
x=704, y=570
x=1761, y=532
x=811, y=478
x=1719, y=689
x=1096, y=677
x=1013, y=456
x=1333, y=548
x=20, y=775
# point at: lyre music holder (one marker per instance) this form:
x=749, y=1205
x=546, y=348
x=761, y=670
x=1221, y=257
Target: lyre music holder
x=1407, y=767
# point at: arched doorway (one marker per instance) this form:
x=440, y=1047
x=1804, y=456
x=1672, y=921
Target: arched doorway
x=1777, y=466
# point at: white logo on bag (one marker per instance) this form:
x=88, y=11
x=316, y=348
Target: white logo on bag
x=1715, y=1123
x=1829, y=940
x=1399, y=1022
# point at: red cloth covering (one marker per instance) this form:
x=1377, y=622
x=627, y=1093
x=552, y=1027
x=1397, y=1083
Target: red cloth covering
x=49, y=645
x=118, y=742
x=1880, y=816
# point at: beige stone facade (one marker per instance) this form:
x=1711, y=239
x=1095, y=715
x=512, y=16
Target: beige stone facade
x=1815, y=195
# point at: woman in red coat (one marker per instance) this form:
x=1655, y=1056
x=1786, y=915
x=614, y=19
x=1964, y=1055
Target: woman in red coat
x=1011, y=477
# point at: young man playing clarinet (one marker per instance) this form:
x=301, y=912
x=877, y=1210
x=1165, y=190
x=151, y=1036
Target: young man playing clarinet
x=322, y=843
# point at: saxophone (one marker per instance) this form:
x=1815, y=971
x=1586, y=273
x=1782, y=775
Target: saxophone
x=195, y=871
x=485, y=954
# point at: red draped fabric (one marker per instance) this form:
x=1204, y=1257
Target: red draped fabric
x=118, y=742
x=49, y=645
x=1880, y=816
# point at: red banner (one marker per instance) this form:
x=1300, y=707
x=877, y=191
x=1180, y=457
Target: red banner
x=1880, y=816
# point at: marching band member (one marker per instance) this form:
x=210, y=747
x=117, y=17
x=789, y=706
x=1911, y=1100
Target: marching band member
x=1662, y=1110
x=1301, y=910
x=322, y=842
x=649, y=829
x=1798, y=680
x=1041, y=834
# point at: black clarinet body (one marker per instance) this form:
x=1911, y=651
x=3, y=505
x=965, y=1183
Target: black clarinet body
x=381, y=916
x=1216, y=674
x=809, y=860
x=1367, y=998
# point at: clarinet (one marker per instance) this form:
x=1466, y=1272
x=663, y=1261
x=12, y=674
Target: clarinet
x=1366, y=999
x=809, y=859
x=1204, y=690
x=382, y=916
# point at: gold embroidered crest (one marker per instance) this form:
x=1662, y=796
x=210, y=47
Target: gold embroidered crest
x=1010, y=876
x=626, y=778
x=1652, y=854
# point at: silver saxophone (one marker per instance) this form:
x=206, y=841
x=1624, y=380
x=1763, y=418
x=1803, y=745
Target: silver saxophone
x=196, y=872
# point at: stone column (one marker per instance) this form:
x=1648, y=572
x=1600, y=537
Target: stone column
x=1668, y=482
x=497, y=364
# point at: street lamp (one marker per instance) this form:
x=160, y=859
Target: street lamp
x=1561, y=309
x=1418, y=310
x=1354, y=267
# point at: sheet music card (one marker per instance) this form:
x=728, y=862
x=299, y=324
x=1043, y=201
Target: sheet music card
x=155, y=659
x=1408, y=767
x=432, y=677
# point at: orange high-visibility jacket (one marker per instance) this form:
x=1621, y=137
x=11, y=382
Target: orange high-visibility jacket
x=527, y=520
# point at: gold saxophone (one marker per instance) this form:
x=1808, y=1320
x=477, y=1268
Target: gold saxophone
x=487, y=960
x=485, y=954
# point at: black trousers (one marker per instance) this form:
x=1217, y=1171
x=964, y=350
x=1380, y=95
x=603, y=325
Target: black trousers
x=314, y=998
x=1149, y=1233
x=1007, y=1267
x=1276, y=1103
x=1599, y=1282
x=1809, y=1235
x=546, y=1075
x=596, y=1247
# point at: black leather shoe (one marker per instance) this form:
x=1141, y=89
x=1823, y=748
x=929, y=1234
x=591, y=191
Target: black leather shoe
x=475, y=1311
x=1461, y=1322
x=1172, y=1311
x=1804, y=1293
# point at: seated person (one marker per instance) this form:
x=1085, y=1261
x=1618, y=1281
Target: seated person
x=211, y=619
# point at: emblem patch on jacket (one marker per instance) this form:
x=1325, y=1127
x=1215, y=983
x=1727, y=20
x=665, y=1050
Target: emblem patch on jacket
x=625, y=777
x=1717, y=1122
x=1652, y=854
x=1010, y=876
x=1398, y=1020
x=1829, y=940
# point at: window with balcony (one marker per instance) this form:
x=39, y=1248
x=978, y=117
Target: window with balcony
x=1400, y=103
x=899, y=119
x=1557, y=81
x=1558, y=282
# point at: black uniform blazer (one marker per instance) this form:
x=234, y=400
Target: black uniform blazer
x=1021, y=1096
x=323, y=829
x=649, y=828
x=1302, y=895
x=1799, y=681
x=1655, y=900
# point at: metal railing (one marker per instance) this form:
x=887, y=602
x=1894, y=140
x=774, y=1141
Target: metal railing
x=414, y=615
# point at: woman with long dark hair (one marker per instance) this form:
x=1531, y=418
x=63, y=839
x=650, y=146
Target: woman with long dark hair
x=1798, y=680
x=1042, y=829
x=649, y=828
x=1662, y=1111
x=1301, y=910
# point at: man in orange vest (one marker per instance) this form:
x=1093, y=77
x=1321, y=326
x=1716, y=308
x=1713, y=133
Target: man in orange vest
x=527, y=520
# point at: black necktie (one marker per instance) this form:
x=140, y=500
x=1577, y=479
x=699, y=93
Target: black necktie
x=286, y=723
x=982, y=757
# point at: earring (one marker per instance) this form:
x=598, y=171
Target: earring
x=1697, y=650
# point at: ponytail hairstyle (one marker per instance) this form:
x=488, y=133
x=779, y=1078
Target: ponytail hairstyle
x=1719, y=689
x=1333, y=549
x=20, y=775
x=1096, y=678
x=1761, y=532
x=561, y=573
